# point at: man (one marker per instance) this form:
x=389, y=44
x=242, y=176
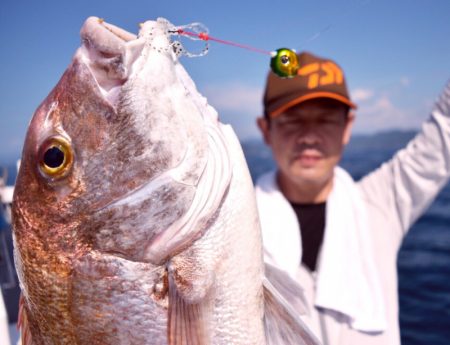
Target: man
x=339, y=239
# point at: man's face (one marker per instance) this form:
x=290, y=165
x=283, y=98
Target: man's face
x=307, y=140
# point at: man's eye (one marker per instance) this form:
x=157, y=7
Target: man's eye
x=330, y=120
x=290, y=123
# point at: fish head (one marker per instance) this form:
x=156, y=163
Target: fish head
x=114, y=155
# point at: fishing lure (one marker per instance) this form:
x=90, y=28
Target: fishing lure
x=283, y=62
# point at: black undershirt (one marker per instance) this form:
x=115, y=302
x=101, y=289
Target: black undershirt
x=312, y=227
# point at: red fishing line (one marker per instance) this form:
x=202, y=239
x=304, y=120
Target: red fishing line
x=205, y=37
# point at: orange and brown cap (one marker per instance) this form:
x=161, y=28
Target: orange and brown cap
x=316, y=78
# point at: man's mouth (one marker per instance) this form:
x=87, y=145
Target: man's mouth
x=307, y=159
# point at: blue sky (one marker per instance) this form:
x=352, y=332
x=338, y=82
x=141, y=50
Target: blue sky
x=396, y=54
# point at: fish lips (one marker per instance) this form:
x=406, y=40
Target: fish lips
x=109, y=52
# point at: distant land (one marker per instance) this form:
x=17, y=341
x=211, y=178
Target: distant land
x=362, y=147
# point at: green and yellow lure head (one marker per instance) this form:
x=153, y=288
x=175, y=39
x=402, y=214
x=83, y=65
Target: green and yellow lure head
x=284, y=63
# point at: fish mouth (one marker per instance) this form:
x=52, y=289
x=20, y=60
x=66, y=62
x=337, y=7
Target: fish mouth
x=109, y=52
x=116, y=33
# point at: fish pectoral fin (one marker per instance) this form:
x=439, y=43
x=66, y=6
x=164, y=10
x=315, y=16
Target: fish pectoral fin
x=23, y=324
x=187, y=320
x=287, y=287
x=282, y=322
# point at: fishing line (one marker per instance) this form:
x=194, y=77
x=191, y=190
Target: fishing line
x=206, y=37
x=283, y=61
x=332, y=25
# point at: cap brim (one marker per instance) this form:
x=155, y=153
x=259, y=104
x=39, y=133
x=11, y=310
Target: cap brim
x=310, y=96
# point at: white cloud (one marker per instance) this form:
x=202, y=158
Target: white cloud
x=360, y=95
x=405, y=81
x=235, y=97
x=238, y=104
x=388, y=106
x=381, y=113
x=379, y=108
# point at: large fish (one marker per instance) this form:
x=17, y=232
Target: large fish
x=134, y=214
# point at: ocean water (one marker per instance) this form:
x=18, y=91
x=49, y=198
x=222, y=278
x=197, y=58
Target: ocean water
x=424, y=258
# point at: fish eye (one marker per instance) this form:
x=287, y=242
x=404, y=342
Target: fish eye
x=55, y=157
x=284, y=63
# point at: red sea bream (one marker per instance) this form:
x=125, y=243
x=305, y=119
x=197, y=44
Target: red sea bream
x=134, y=213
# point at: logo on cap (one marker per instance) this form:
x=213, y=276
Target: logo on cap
x=331, y=74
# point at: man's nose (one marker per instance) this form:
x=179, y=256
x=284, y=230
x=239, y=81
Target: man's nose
x=308, y=134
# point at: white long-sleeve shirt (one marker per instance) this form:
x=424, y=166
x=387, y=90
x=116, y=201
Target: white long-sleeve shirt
x=4, y=331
